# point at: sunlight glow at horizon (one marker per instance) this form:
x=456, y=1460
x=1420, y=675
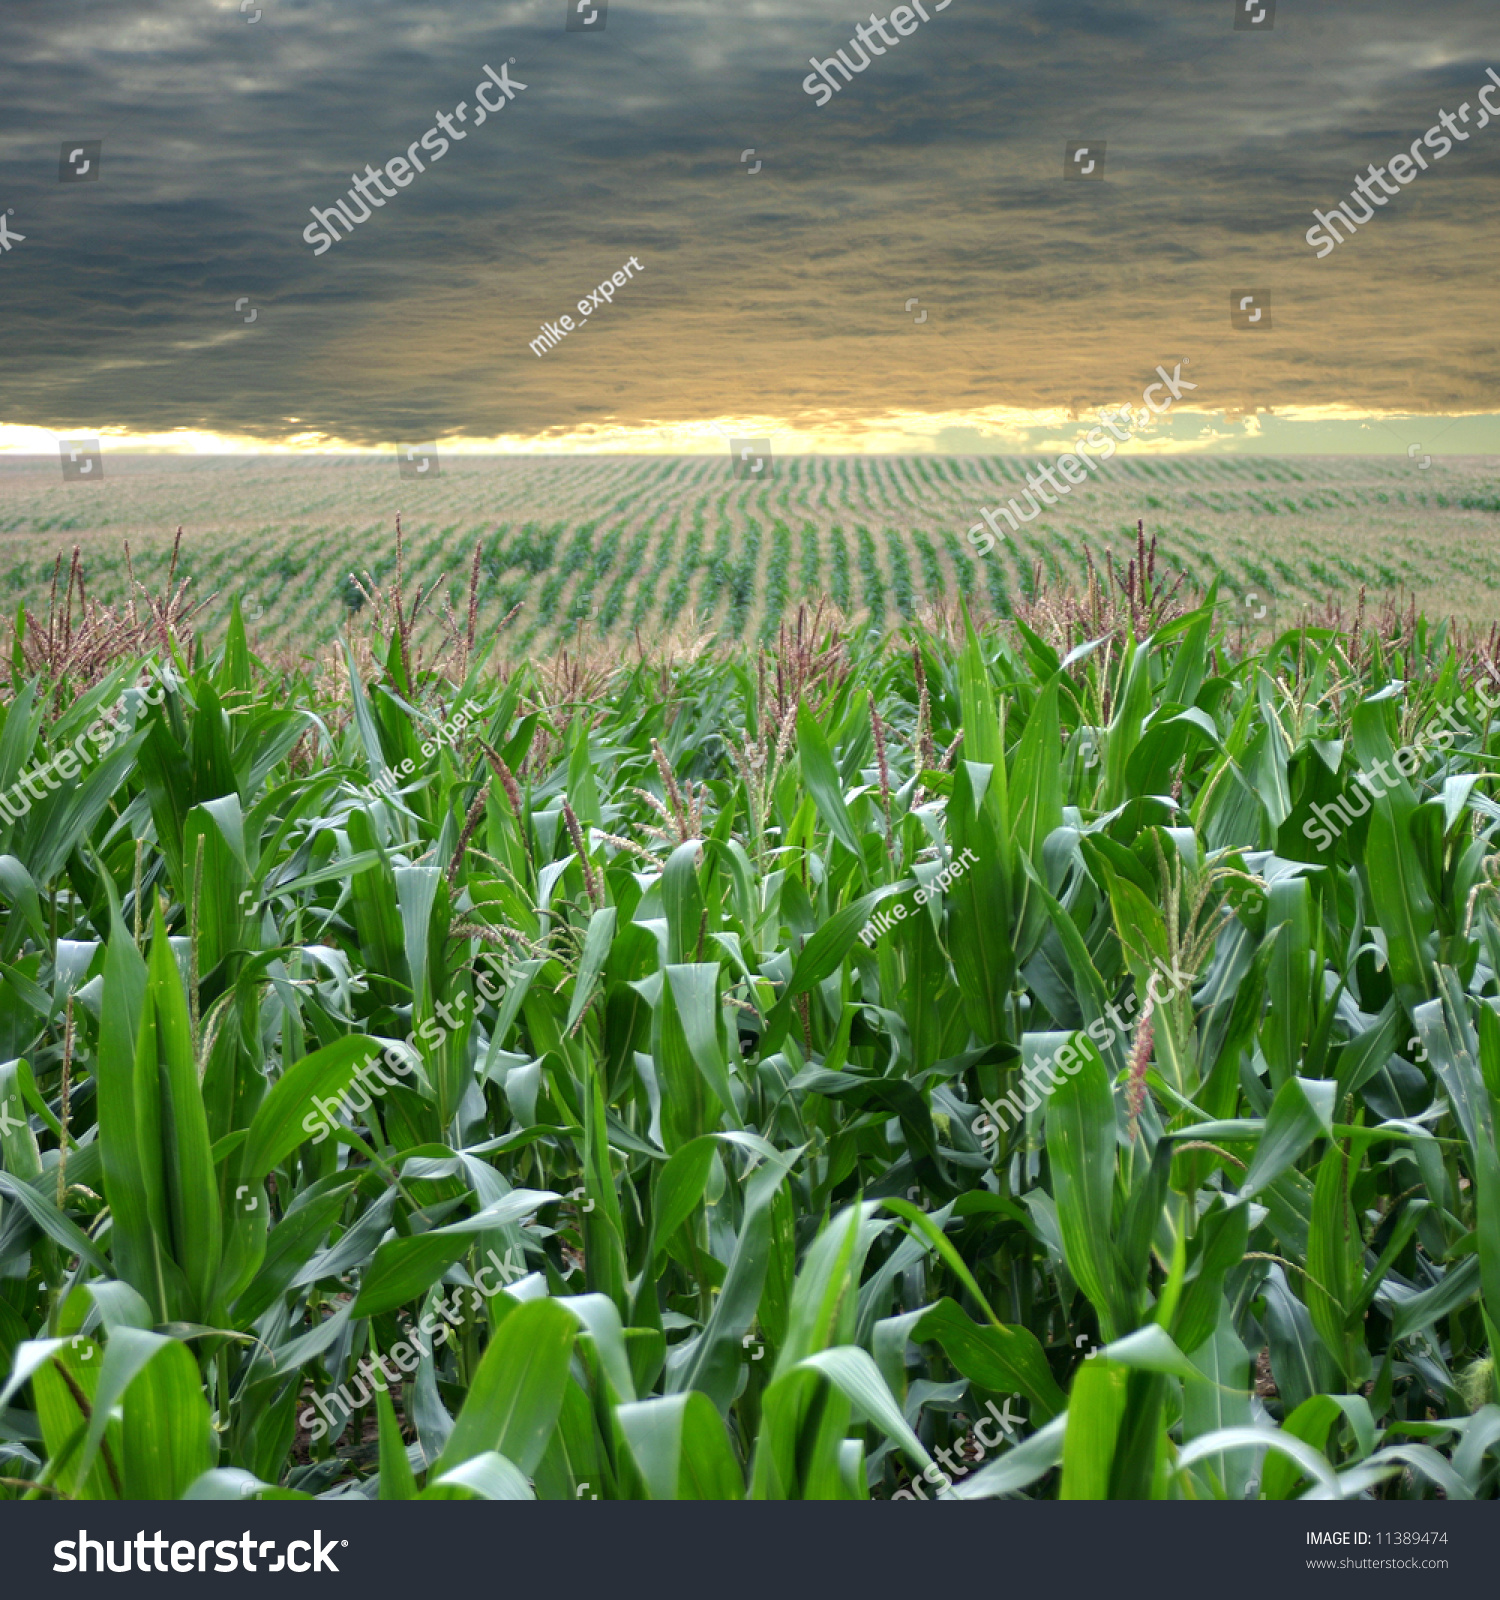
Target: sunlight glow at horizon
x=1000, y=430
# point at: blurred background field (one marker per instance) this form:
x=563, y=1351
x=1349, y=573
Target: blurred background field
x=676, y=545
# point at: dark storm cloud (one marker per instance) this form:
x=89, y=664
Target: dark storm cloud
x=936, y=175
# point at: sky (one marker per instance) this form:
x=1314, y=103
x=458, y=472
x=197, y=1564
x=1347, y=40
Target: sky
x=904, y=265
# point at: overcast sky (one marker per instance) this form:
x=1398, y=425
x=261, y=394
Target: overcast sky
x=769, y=302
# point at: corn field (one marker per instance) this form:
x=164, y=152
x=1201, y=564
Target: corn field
x=751, y=1074
x=607, y=546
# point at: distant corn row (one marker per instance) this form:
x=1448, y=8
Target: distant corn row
x=615, y=544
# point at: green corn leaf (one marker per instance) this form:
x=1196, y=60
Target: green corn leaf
x=1000, y=1359
x=681, y=1449
x=1096, y=1408
x=290, y=1114
x=192, y=1189
x=397, y=1480
x=488, y=1476
x=1301, y=1112
x=1334, y=1273
x=1081, y=1141
x=516, y=1393
x=167, y=1442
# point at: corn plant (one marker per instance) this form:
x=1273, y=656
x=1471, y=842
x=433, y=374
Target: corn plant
x=742, y=1077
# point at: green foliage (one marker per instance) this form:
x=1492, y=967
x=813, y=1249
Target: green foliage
x=645, y=1086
